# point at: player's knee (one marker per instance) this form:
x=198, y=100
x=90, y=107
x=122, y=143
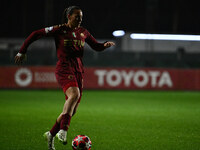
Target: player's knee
x=74, y=94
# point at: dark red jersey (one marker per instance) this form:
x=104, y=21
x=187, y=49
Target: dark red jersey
x=69, y=46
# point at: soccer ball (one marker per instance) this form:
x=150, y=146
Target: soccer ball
x=81, y=142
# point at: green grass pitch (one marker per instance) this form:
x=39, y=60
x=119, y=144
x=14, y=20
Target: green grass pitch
x=114, y=120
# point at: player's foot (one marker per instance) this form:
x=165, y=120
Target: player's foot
x=50, y=140
x=62, y=136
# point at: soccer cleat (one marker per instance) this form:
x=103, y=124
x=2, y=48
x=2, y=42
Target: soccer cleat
x=62, y=136
x=50, y=140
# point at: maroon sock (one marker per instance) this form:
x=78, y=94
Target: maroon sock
x=65, y=122
x=55, y=128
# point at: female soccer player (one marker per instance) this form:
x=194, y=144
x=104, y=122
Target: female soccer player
x=70, y=38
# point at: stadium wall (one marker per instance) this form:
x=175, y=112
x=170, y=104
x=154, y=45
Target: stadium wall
x=43, y=77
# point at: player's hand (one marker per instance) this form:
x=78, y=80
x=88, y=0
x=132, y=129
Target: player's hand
x=20, y=58
x=108, y=44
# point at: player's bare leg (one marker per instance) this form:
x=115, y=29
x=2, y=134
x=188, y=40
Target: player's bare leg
x=60, y=116
x=73, y=95
x=75, y=108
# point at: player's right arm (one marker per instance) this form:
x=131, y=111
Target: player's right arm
x=35, y=35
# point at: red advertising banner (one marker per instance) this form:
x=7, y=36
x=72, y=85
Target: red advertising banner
x=28, y=77
x=104, y=78
x=142, y=78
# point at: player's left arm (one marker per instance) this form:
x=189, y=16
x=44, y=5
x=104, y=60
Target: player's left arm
x=108, y=44
x=96, y=45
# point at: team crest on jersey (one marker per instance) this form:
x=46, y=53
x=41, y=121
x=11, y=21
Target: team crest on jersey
x=70, y=77
x=48, y=29
x=74, y=35
x=82, y=35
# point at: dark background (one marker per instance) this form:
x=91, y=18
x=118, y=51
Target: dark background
x=20, y=17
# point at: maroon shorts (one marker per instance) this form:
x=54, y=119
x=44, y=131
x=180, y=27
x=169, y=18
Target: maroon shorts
x=70, y=80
